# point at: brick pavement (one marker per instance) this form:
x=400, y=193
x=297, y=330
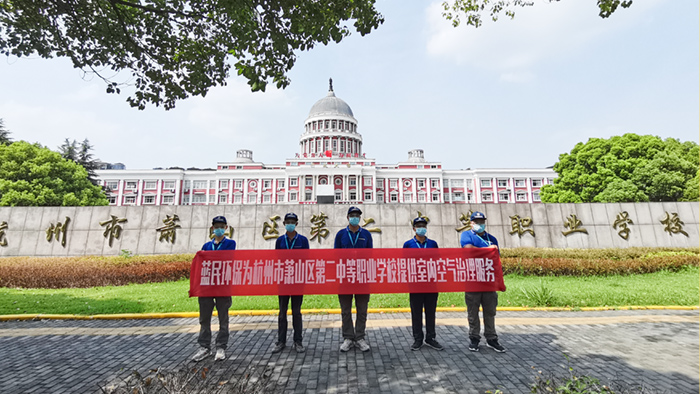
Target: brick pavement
x=658, y=349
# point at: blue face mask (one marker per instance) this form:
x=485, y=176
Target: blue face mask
x=479, y=228
x=354, y=221
x=219, y=232
x=290, y=227
x=421, y=231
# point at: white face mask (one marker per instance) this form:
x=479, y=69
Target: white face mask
x=478, y=228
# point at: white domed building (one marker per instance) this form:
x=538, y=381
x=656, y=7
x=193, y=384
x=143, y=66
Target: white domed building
x=330, y=167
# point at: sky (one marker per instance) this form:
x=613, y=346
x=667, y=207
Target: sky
x=510, y=94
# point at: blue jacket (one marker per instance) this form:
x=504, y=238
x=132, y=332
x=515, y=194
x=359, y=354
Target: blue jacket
x=471, y=238
x=225, y=244
x=414, y=243
x=299, y=242
x=346, y=239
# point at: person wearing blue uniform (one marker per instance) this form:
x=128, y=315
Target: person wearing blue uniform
x=353, y=237
x=419, y=301
x=207, y=304
x=477, y=237
x=290, y=240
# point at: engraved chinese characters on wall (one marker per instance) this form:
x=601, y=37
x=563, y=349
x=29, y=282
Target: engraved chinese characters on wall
x=318, y=227
x=113, y=229
x=573, y=225
x=3, y=239
x=169, y=228
x=59, y=231
x=622, y=220
x=521, y=226
x=673, y=224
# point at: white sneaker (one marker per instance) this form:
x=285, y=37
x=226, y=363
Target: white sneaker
x=363, y=345
x=201, y=354
x=347, y=345
x=220, y=354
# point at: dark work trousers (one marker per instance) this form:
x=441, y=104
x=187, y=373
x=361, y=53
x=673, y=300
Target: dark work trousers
x=206, y=307
x=418, y=302
x=296, y=318
x=361, y=301
x=488, y=300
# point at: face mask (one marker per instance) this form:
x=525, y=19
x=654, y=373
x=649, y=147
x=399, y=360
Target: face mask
x=219, y=232
x=421, y=231
x=479, y=228
x=354, y=221
x=290, y=227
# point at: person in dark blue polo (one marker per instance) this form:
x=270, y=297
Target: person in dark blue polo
x=207, y=304
x=477, y=237
x=290, y=240
x=353, y=236
x=423, y=300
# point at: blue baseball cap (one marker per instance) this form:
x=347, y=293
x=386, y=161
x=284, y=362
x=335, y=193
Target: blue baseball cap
x=419, y=220
x=219, y=219
x=477, y=215
x=292, y=216
x=354, y=210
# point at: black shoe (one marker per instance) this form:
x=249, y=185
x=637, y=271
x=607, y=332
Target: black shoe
x=493, y=344
x=434, y=344
x=279, y=346
x=417, y=344
x=299, y=347
x=474, y=345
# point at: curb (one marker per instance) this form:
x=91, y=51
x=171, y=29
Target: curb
x=272, y=312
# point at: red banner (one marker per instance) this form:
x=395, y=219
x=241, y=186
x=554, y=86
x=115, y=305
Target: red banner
x=344, y=271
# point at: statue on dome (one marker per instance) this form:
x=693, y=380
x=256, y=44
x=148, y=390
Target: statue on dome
x=330, y=84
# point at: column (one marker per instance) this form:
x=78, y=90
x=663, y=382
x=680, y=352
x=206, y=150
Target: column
x=477, y=190
x=415, y=190
x=374, y=188
x=494, y=187
x=259, y=196
x=528, y=183
x=120, y=192
x=208, y=191
x=245, y=191
x=346, y=188
x=159, y=186
x=177, y=197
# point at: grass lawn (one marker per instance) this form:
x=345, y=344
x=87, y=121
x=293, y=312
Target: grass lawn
x=660, y=288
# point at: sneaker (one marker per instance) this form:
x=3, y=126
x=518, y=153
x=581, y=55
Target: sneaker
x=363, y=345
x=201, y=354
x=474, y=345
x=434, y=344
x=278, y=347
x=417, y=345
x=347, y=345
x=299, y=347
x=220, y=354
x=493, y=344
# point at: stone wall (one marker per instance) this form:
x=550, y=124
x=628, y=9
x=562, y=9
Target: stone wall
x=23, y=230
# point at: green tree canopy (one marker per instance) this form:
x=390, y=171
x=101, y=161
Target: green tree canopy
x=626, y=168
x=32, y=175
x=4, y=134
x=173, y=49
x=81, y=153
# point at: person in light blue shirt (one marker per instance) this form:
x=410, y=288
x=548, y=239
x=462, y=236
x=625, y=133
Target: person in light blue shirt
x=353, y=237
x=419, y=301
x=207, y=304
x=290, y=240
x=477, y=237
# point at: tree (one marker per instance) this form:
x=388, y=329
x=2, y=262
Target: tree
x=80, y=153
x=33, y=175
x=471, y=10
x=174, y=49
x=4, y=134
x=627, y=168
x=69, y=150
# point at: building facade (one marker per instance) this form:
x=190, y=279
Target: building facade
x=329, y=167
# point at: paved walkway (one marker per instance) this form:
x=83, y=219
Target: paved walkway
x=656, y=349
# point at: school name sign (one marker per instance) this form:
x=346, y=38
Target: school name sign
x=344, y=271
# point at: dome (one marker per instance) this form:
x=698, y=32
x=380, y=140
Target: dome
x=330, y=105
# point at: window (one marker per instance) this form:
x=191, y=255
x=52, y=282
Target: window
x=537, y=183
x=550, y=181
x=368, y=196
x=212, y=198
x=131, y=185
x=502, y=183
x=307, y=196
x=237, y=198
x=292, y=196
x=223, y=184
x=335, y=145
x=280, y=197
x=266, y=198
x=421, y=197
x=470, y=198
x=130, y=200
x=458, y=197
x=280, y=183
x=322, y=181
x=519, y=183
x=456, y=183
x=353, y=196
x=168, y=199
x=199, y=198
x=212, y=184
x=267, y=183
x=469, y=183
x=407, y=197
x=367, y=181
x=353, y=181
x=380, y=198
x=238, y=184
x=486, y=183
x=446, y=196
x=394, y=197
x=223, y=199
x=112, y=185
x=342, y=146
x=112, y=200
x=309, y=181
x=150, y=199
x=199, y=185
x=393, y=183
x=436, y=197
x=186, y=199
x=318, y=145
x=421, y=183
x=434, y=183
x=503, y=196
x=292, y=181
x=520, y=197
x=536, y=196
x=252, y=198
x=338, y=195
x=486, y=197
x=169, y=185
x=380, y=183
x=338, y=181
